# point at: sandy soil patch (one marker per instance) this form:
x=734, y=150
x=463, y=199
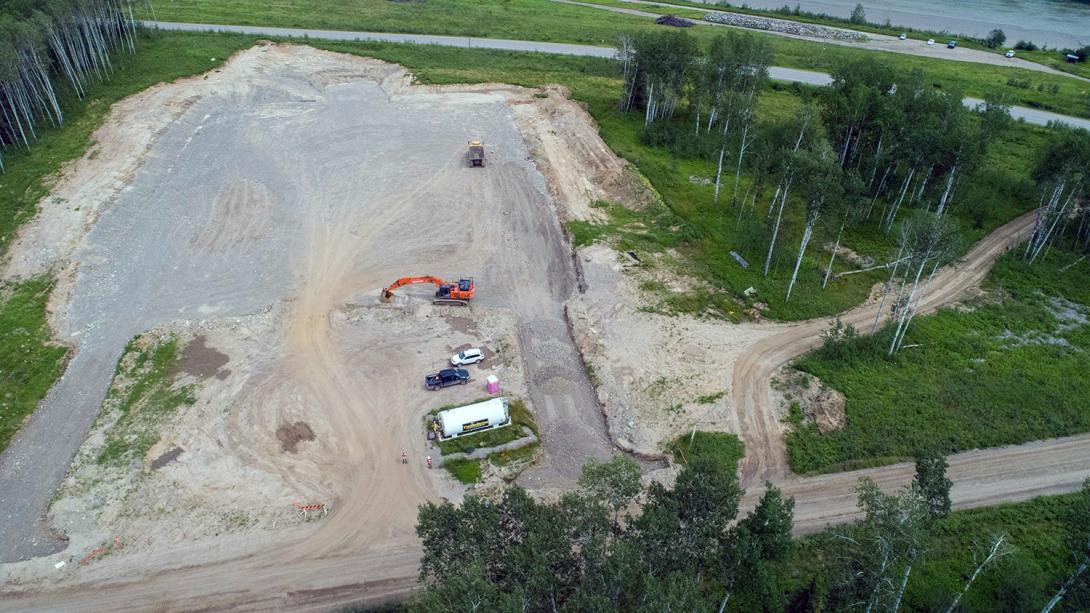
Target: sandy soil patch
x=658, y=376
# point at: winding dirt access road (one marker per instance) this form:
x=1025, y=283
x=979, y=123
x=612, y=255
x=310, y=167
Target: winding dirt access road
x=981, y=477
x=758, y=424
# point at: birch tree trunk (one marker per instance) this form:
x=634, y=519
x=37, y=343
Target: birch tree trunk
x=719, y=174
x=776, y=228
x=1067, y=585
x=994, y=552
x=806, y=234
x=901, y=590
x=904, y=310
x=836, y=246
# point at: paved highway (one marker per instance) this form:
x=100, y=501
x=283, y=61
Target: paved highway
x=778, y=73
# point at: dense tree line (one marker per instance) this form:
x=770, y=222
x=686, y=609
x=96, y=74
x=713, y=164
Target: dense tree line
x=874, y=148
x=43, y=42
x=613, y=546
x=1063, y=179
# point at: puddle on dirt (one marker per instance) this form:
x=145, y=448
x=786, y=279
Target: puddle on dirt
x=200, y=360
x=166, y=458
x=464, y=325
x=290, y=435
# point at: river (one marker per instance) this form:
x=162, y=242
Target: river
x=1056, y=23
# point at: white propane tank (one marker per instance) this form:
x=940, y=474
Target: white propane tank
x=472, y=418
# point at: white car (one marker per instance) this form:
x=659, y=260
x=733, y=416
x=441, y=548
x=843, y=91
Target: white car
x=467, y=357
x=903, y=36
x=1010, y=53
x=931, y=41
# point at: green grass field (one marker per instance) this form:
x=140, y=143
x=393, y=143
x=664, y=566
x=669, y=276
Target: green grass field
x=722, y=447
x=550, y=21
x=29, y=361
x=1007, y=372
x=465, y=471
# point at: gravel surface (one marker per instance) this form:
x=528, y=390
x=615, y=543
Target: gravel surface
x=312, y=177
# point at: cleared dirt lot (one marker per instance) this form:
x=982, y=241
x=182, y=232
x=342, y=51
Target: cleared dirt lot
x=262, y=207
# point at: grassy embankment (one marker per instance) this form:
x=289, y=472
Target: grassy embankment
x=143, y=394
x=1010, y=370
x=724, y=448
x=29, y=362
x=551, y=21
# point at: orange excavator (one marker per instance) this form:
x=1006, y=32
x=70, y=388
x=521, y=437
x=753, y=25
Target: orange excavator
x=459, y=292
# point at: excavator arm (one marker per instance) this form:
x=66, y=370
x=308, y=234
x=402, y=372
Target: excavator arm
x=460, y=291
x=389, y=291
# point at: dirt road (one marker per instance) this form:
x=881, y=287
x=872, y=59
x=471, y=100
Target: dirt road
x=757, y=422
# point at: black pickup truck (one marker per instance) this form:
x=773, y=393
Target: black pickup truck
x=446, y=378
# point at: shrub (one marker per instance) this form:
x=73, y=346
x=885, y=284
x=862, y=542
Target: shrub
x=995, y=38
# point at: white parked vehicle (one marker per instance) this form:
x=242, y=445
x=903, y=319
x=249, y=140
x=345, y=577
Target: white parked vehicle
x=931, y=41
x=1010, y=53
x=467, y=357
x=903, y=36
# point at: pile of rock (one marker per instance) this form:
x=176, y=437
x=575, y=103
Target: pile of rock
x=670, y=20
x=783, y=26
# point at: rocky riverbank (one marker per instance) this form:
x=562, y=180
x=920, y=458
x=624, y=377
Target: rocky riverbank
x=784, y=27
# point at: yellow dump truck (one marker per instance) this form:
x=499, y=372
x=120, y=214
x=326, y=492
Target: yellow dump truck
x=476, y=153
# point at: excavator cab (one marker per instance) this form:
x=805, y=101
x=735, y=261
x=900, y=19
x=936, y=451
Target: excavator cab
x=462, y=290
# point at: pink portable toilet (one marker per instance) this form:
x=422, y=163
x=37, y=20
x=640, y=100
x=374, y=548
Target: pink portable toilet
x=493, y=383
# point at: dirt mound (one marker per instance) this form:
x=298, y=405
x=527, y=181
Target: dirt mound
x=579, y=168
x=290, y=435
x=676, y=22
x=820, y=405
